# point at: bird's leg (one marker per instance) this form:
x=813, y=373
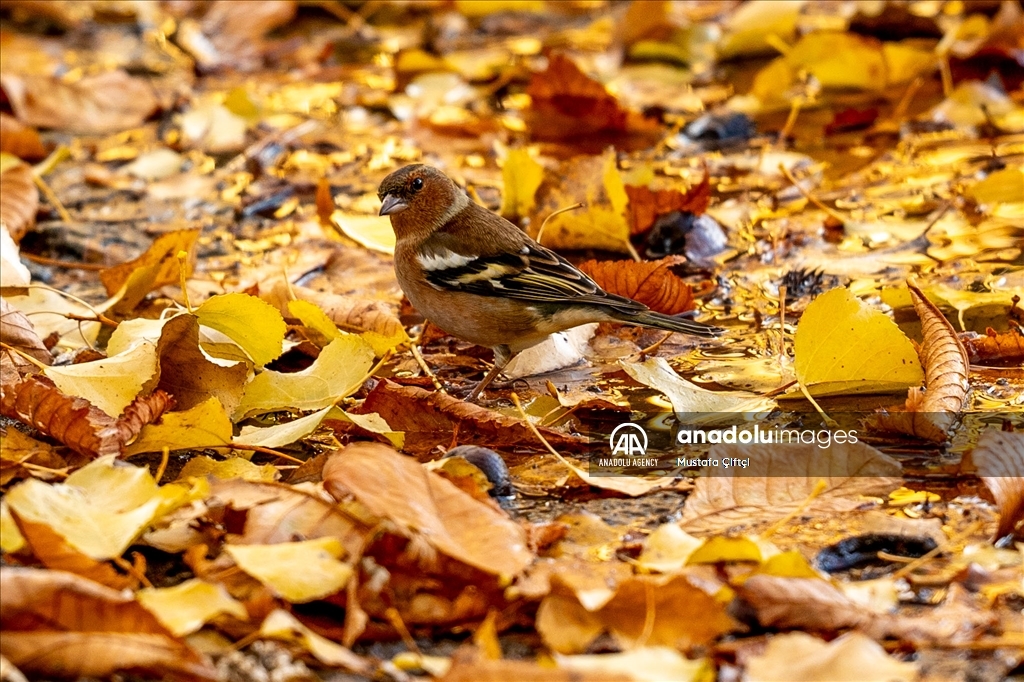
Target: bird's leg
x=502, y=356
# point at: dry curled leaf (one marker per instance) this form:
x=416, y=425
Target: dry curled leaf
x=106, y=103
x=17, y=332
x=1000, y=461
x=930, y=414
x=399, y=489
x=83, y=427
x=568, y=103
x=19, y=139
x=19, y=200
x=647, y=203
x=650, y=282
x=430, y=418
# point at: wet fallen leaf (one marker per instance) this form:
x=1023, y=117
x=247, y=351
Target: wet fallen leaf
x=647, y=203
x=799, y=657
x=690, y=399
x=999, y=347
x=105, y=103
x=782, y=478
x=19, y=198
x=999, y=458
x=429, y=419
x=843, y=346
x=397, y=488
x=650, y=282
x=931, y=413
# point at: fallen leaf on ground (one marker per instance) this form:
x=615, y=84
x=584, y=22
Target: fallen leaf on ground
x=111, y=383
x=930, y=414
x=397, y=488
x=83, y=427
x=781, y=479
x=337, y=372
x=799, y=657
x=999, y=458
x=255, y=326
x=16, y=331
x=58, y=624
x=296, y=571
x=690, y=399
x=646, y=664
x=647, y=203
x=650, y=282
x=568, y=103
x=205, y=425
x=521, y=176
x=843, y=346
x=350, y=313
x=281, y=625
x=22, y=456
x=1001, y=347
x=20, y=140
x=158, y=266
x=19, y=198
x=187, y=606
x=430, y=418
x=105, y=103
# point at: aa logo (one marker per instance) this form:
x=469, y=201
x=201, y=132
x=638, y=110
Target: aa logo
x=628, y=439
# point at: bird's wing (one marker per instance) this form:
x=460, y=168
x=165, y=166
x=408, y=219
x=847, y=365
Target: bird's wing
x=533, y=273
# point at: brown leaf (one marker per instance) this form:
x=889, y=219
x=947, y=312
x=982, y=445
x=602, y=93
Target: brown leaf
x=568, y=103
x=430, y=419
x=1000, y=461
x=930, y=415
x=999, y=347
x=189, y=375
x=236, y=30
x=422, y=503
x=19, y=200
x=157, y=267
x=650, y=282
x=818, y=605
x=349, y=313
x=54, y=552
x=682, y=616
x=106, y=103
x=647, y=204
x=16, y=331
x=75, y=422
x=781, y=478
x=60, y=624
x=19, y=139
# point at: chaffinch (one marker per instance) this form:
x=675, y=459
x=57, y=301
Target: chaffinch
x=480, y=278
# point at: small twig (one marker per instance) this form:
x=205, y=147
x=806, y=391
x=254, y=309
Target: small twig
x=182, y=256
x=100, y=317
x=807, y=195
x=164, y=459
x=398, y=624
x=128, y=568
x=265, y=451
x=425, y=368
x=656, y=345
x=540, y=232
x=829, y=421
x=819, y=488
x=538, y=434
x=52, y=198
x=43, y=260
x=787, y=128
x=782, y=329
x=46, y=470
x=28, y=358
x=925, y=558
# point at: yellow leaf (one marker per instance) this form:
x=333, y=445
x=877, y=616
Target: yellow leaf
x=110, y=384
x=188, y=606
x=159, y=265
x=522, y=175
x=232, y=467
x=338, y=372
x=11, y=539
x=842, y=346
x=101, y=508
x=722, y=549
x=373, y=232
x=1002, y=187
x=311, y=315
x=290, y=432
x=790, y=564
x=482, y=8
x=840, y=60
x=296, y=571
x=256, y=326
x=668, y=549
x=749, y=27
x=905, y=62
x=284, y=626
x=204, y=426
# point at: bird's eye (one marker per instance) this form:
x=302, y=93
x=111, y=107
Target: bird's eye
x=417, y=184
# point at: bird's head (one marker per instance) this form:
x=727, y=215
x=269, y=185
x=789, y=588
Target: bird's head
x=419, y=198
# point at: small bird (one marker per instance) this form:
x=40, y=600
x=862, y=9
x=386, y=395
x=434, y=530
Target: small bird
x=480, y=278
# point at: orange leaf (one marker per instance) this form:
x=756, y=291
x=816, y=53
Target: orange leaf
x=19, y=139
x=646, y=204
x=1000, y=461
x=650, y=282
x=19, y=200
x=1002, y=347
x=569, y=103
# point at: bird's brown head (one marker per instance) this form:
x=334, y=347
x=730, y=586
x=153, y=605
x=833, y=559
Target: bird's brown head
x=419, y=198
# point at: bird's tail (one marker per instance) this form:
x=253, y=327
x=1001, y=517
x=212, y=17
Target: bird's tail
x=649, y=318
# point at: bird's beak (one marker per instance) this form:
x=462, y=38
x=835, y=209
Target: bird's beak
x=392, y=205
